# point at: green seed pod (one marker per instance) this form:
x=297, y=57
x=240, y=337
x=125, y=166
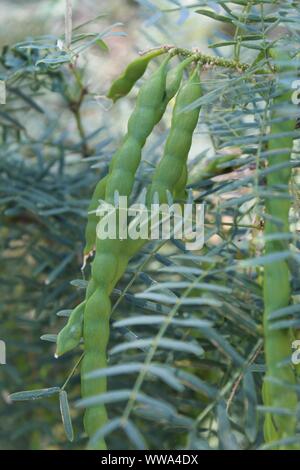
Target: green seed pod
x=107, y=267
x=179, y=188
x=277, y=289
x=90, y=231
x=130, y=144
x=96, y=335
x=172, y=166
x=126, y=160
x=173, y=82
x=134, y=71
x=105, y=264
x=174, y=79
x=70, y=336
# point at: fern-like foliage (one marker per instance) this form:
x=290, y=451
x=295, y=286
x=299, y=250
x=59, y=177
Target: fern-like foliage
x=186, y=358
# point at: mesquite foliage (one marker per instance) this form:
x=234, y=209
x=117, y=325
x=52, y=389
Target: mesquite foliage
x=195, y=348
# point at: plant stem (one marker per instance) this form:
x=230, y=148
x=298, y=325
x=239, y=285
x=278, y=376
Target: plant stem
x=72, y=371
x=206, y=59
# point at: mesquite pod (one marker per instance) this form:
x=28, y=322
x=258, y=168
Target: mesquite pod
x=90, y=231
x=164, y=179
x=96, y=335
x=135, y=70
x=170, y=174
x=179, y=192
x=276, y=287
x=173, y=81
x=70, y=336
x=140, y=125
x=151, y=104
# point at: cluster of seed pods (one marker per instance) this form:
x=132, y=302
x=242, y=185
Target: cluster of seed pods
x=90, y=319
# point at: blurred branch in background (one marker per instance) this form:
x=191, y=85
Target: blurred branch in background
x=68, y=23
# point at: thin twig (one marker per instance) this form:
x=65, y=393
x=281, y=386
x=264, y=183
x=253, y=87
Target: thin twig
x=239, y=379
x=72, y=371
x=226, y=387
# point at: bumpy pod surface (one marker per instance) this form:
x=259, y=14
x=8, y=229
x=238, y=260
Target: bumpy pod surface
x=90, y=230
x=171, y=171
x=140, y=125
x=174, y=78
x=70, y=336
x=96, y=332
x=133, y=72
x=179, y=192
x=96, y=335
x=188, y=95
x=277, y=289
